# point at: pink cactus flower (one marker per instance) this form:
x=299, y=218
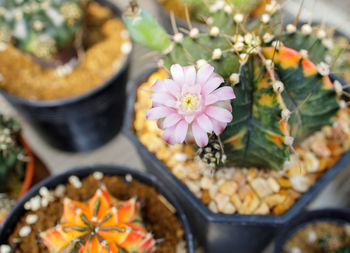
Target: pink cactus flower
x=191, y=105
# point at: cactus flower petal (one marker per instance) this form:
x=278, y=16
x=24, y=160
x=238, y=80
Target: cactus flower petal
x=187, y=105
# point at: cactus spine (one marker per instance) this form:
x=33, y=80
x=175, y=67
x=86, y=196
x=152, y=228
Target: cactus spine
x=283, y=89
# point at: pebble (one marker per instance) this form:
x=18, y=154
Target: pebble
x=261, y=187
x=212, y=207
x=275, y=187
x=24, y=231
x=75, y=181
x=180, y=171
x=263, y=209
x=32, y=219
x=98, y=175
x=228, y=188
x=44, y=202
x=229, y=209
x=180, y=157
x=60, y=190
x=4, y=248
x=126, y=47
x=311, y=237
x=44, y=191
x=3, y=46
x=221, y=200
x=295, y=250
x=128, y=178
x=206, y=183
x=35, y=203
x=300, y=183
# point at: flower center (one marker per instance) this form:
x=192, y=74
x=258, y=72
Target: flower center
x=189, y=103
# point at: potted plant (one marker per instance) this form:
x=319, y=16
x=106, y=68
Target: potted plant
x=325, y=230
x=98, y=208
x=74, y=57
x=198, y=12
x=17, y=165
x=259, y=159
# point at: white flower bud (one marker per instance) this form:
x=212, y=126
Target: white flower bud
x=238, y=46
x=178, y=38
x=291, y=28
x=321, y=34
x=306, y=29
x=286, y=114
x=234, y=78
x=267, y=37
x=238, y=18
x=304, y=53
x=200, y=63
x=288, y=140
x=338, y=87
x=217, y=53
x=214, y=31
x=194, y=33
x=278, y=86
x=243, y=58
x=323, y=69
x=265, y=18
x=228, y=9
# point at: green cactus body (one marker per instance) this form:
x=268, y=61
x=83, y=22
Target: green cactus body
x=40, y=27
x=199, y=8
x=11, y=154
x=282, y=94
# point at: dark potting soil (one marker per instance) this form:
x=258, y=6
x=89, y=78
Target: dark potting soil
x=160, y=219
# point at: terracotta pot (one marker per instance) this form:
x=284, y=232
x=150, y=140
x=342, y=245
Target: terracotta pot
x=29, y=174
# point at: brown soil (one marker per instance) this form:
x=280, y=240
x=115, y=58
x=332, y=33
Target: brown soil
x=103, y=57
x=160, y=220
x=300, y=240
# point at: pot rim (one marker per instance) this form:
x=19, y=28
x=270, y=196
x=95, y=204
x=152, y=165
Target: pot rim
x=309, y=217
x=86, y=95
x=28, y=178
x=116, y=170
x=197, y=205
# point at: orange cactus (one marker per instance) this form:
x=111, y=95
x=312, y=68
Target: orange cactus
x=103, y=225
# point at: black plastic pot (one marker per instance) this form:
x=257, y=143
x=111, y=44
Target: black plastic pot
x=341, y=216
x=84, y=122
x=51, y=182
x=221, y=232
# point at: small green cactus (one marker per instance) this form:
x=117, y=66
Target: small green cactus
x=282, y=85
x=40, y=27
x=12, y=154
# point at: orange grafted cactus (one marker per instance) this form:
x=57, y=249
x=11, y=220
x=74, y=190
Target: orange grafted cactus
x=102, y=225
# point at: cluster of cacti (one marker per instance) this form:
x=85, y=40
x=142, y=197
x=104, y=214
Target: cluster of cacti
x=278, y=73
x=103, y=224
x=40, y=27
x=12, y=154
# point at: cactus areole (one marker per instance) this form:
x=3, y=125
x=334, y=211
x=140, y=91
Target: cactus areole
x=282, y=85
x=43, y=28
x=103, y=224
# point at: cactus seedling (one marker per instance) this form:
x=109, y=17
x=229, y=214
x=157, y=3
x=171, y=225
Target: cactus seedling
x=42, y=28
x=103, y=224
x=11, y=154
x=284, y=92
